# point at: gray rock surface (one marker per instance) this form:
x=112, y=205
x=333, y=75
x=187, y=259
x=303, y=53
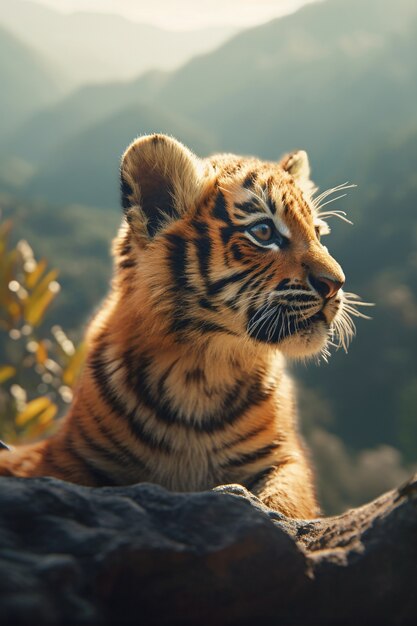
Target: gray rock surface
x=143, y=555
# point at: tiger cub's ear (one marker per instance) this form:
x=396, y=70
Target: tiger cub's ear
x=159, y=180
x=297, y=164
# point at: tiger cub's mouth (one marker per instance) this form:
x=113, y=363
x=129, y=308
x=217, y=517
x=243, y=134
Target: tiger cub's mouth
x=269, y=324
x=317, y=317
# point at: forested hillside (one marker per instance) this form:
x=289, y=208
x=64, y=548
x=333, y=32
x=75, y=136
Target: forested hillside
x=334, y=78
x=27, y=82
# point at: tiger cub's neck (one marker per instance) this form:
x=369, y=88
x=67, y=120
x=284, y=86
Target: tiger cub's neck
x=188, y=380
x=175, y=411
x=184, y=382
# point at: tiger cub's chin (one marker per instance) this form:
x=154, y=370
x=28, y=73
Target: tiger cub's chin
x=306, y=343
x=313, y=340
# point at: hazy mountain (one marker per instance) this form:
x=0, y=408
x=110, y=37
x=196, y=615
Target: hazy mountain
x=96, y=47
x=326, y=78
x=45, y=131
x=26, y=82
x=331, y=29
x=85, y=168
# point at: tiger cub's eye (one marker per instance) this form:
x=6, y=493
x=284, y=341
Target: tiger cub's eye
x=262, y=231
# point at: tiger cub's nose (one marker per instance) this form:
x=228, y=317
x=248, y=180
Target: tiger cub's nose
x=325, y=286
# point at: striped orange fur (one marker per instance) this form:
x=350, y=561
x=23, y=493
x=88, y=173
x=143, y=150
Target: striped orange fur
x=219, y=275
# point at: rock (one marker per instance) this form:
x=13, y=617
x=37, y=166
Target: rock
x=143, y=555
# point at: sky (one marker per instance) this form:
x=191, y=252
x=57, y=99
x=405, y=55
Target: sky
x=185, y=14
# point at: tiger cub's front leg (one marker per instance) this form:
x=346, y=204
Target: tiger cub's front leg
x=288, y=489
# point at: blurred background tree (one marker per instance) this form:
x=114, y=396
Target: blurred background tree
x=39, y=366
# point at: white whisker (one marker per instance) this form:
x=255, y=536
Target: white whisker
x=339, y=214
x=328, y=192
x=343, y=328
x=319, y=204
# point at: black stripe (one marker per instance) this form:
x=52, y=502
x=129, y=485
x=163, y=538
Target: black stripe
x=126, y=191
x=100, y=477
x=247, y=207
x=251, y=457
x=126, y=249
x=179, y=323
x=204, y=247
x=251, y=483
x=219, y=285
x=246, y=436
x=163, y=378
x=206, y=304
x=178, y=266
x=272, y=206
x=286, y=285
x=127, y=264
x=253, y=281
x=123, y=450
x=243, y=395
x=283, y=284
x=249, y=180
x=94, y=445
x=226, y=233
x=178, y=260
x=302, y=297
x=195, y=375
x=3, y=446
x=220, y=209
x=237, y=254
x=48, y=456
x=118, y=407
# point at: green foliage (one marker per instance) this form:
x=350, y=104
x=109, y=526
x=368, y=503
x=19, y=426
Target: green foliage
x=76, y=239
x=37, y=373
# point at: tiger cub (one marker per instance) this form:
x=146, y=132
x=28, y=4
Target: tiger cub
x=219, y=275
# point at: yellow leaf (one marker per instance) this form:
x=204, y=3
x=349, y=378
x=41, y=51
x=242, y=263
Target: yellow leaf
x=6, y=372
x=32, y=409
x=32, y=277
x=41, y=353
x=47, y=416
x=34, y=311
x=41, y=425
x=43, y=292
x=44, y=283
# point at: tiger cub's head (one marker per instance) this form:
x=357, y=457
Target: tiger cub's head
x=229, y=246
